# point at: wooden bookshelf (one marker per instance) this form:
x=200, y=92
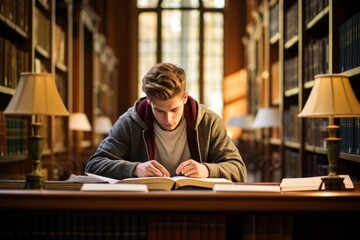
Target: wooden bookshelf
x=60, y=37
x=15, y=57
x=95, y=70
x=306, y=38
x=31, y=31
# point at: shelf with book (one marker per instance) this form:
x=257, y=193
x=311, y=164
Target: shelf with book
x=30, y=37
x=14, y=58
x=62, y=31
x=105, y=75
x=275, y=88
x=86, y=25
x=314, y=37
x=329, y=30
x=290, y=64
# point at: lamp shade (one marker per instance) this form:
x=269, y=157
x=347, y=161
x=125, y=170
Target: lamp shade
x=331, y=96
x=241, y=121
x=102, y=124
x=79, y=122
x=266, y=117
x=36, y=94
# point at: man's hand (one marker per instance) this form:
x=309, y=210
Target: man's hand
x=192, y=168
x=151, y=168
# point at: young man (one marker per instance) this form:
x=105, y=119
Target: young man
x=167, y=133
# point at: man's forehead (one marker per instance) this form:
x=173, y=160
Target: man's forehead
x=167, y=105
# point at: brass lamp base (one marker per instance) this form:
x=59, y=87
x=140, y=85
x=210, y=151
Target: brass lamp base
x=332, y=183
x=35, y=180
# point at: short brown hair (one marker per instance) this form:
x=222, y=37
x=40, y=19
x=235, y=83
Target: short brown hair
x=164, y=81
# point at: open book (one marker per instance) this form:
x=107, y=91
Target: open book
x=309, y=183
x=155, y=183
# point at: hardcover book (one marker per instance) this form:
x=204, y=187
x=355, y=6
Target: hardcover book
x=310, y=183
x=155, y=183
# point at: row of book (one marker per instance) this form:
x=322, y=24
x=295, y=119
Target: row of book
x=151, y=226
x=291, y=133
x=316, y=131
x=292, y=164
x=291, y=22
x=317, y=165
x=13, y=61
x=349, y=132
x=316, y=58
x=13, y=136
x=42, y=30
x=291, y=76
x=313, y=7
x=349, y=38
x=15, y=12
x=274, y=19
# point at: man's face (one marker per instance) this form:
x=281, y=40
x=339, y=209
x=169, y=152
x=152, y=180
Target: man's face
x=168, y=113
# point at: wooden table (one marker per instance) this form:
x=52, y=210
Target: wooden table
x=69, y=213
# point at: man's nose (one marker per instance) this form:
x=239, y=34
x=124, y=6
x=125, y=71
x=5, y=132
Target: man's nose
x=168, y=116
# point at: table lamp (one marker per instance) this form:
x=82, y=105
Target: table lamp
x=241, y=121
x=266, y=117
x=35, y=95
x=79, y=122
x=102, y=125
x=331, y=96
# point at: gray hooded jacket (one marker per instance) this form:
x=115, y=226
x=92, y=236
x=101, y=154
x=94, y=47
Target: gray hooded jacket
x=131, y=141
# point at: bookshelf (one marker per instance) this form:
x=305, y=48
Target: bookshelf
x=60, y=37
x=15, y=42
x=95, y=68
x=105, y=75
x=306, y=38
x=86, y=25
x=30, y=42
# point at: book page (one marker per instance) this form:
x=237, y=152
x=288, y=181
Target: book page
x=182, y=181
x=153, y=183
x=83, y=179
x=102, y=178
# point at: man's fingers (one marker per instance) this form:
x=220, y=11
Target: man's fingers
x=160, y=169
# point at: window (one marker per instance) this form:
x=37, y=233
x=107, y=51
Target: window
x=188, y=33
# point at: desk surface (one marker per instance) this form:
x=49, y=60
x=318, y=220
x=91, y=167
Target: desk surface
x=181, y=200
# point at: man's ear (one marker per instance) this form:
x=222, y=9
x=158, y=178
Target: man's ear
x=185, y=98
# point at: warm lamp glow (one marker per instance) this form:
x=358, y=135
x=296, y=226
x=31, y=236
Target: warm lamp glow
x=332, y=96
x=242, y=121
x=102, y=125
x=266, y=117
x=79, y=122
x=36, y=94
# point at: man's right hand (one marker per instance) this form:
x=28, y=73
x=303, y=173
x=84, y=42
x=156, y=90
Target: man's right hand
x=151, y=168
